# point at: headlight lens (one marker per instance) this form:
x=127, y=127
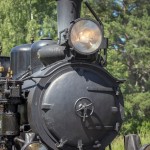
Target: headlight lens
x=85, y=36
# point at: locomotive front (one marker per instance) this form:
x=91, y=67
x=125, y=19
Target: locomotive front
x=61, y=97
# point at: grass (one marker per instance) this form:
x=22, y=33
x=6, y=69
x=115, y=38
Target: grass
x=118, y=143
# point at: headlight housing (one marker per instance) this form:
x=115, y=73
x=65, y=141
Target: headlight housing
x=85, y=36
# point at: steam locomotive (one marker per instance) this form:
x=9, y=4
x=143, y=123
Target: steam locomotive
x=57, y=94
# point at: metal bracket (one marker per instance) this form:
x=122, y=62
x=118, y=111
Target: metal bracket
x=62, y=143
x=80, y=145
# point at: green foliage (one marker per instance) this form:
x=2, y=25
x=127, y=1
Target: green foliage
x=145, y=129
x=137, y=113
x=117, y=144
x=20, y=20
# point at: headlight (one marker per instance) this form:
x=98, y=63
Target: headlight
x=35, y=146
x=85, y=36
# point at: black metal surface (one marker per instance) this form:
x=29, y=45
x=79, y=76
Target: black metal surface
x=20, y=59
x=10, y=91
x=36, y=64
x=5, y=62
x=67, y=11
x=50, y=54
x=9, y=124
x=10, y=94
x=56, y=100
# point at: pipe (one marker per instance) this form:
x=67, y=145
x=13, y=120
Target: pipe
x=50, y=54
x=67, y=11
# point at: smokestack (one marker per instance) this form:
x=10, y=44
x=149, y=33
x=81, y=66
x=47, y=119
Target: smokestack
x=67, y=11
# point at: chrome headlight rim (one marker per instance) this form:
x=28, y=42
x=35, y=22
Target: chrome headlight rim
x=70, y=41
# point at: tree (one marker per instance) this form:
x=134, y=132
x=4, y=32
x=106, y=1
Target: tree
x=20, y=20
x=127, y=25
